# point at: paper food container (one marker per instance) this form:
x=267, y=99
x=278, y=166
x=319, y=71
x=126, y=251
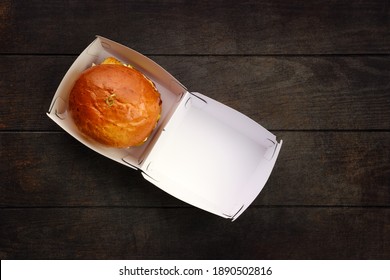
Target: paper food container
x=202, y=152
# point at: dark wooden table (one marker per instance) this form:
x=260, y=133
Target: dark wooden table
x=315, y=73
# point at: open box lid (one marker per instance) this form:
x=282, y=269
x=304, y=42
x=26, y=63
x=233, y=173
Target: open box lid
x=202, y=151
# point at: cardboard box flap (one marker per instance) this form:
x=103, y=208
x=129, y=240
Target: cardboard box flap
x=212, y=156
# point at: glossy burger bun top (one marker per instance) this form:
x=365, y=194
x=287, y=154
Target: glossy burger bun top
x=115, y=105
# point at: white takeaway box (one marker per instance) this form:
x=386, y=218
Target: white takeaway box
x=201, y=152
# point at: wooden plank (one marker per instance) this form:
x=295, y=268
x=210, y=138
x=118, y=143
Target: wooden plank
x=331, y=168
x=155, y=233
x=314, y=168
x=206, y=27
x=27, y=85
x=290, y=93
x=54, y=169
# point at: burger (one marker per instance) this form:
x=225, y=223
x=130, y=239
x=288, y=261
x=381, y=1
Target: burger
x=115, y=104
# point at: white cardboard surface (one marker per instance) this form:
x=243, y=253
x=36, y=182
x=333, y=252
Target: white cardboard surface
x=202, y=152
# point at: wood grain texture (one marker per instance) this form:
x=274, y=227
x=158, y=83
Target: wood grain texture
x=314, y=168
x=198, y=27
x=315, y=73
x=155, y=233
x=281, y=93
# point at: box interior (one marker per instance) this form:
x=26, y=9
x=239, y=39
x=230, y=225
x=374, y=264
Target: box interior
x=170, y=89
